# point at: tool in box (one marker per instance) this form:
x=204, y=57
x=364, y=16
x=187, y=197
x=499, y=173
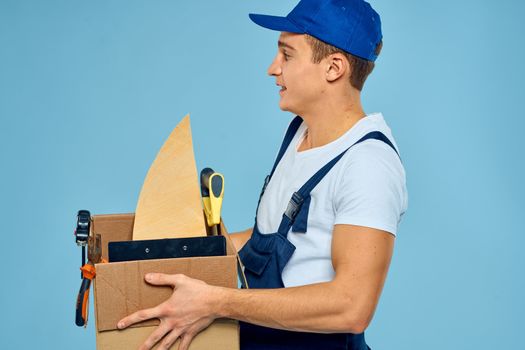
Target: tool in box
x=82, y=232
x=84, y=237
x=212, y=191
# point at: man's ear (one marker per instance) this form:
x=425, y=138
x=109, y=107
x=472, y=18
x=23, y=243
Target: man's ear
x=336, y=67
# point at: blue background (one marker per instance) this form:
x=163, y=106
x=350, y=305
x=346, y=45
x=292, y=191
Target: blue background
x=89, y=91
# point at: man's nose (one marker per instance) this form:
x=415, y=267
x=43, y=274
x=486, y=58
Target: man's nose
x=275, y=67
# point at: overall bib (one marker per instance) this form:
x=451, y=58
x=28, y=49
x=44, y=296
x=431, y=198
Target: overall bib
x=264, y=257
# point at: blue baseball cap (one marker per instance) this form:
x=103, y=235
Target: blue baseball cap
x=350, y=25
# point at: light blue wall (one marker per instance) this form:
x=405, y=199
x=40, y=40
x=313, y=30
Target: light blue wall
x=89, y=90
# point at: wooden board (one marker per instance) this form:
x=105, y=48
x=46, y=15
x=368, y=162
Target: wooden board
x=169, y=204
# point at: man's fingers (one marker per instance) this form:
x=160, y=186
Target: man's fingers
x=154, y=337
x=170, y=339
x=185, y=341
x=139, y=316
x=162, y=279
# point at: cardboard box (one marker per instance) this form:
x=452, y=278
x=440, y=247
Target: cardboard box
x=120, y=290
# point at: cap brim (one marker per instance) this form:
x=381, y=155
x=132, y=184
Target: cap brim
x=281, y=24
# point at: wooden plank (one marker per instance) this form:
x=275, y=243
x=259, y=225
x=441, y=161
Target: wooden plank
x=169, y=204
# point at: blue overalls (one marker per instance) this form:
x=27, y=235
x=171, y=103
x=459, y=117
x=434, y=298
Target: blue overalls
x=264, y=257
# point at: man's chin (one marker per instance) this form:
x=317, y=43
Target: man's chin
x=284, y=107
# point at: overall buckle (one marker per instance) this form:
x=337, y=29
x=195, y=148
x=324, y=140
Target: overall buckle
x=294, y=206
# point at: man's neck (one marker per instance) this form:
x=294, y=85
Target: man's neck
x=329, y=123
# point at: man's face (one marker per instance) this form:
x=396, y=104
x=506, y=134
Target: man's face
x=301, y=80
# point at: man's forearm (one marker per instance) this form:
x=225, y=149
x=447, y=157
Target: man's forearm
x=239, y=239
x=320, y=308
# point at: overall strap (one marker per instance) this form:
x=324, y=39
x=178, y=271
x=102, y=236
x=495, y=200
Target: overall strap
x=319, y=175
x=302, y=196
x=377, y=135
x=290, y=133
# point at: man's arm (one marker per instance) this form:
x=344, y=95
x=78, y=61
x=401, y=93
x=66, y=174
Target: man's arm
x=360, y=256
x=240, y=238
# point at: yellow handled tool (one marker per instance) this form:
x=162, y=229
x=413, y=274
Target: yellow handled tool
x=212, y=190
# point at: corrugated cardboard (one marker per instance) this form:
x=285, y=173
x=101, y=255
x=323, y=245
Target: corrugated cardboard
x=120, y=290
x=218, y=336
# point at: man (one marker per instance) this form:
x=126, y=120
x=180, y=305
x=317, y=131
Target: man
x=315, y=272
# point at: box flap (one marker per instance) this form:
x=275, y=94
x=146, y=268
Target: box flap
x=111, y=228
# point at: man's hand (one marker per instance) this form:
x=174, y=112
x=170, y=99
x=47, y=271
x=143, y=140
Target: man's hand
x=187, y=312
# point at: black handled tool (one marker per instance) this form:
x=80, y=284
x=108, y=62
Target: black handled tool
x=88, y=273
x=84, y=238
x=81, y=311
x=82, y=232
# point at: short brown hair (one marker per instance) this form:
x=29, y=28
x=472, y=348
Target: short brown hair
x=361, y=68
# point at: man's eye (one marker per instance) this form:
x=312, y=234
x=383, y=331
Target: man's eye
x=286, y=56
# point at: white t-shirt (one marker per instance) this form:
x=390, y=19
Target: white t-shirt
x=367, y=187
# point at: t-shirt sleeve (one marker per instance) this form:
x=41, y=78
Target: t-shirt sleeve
x=371, y=190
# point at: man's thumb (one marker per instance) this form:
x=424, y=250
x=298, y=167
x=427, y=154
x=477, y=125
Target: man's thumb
x=160, y=279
